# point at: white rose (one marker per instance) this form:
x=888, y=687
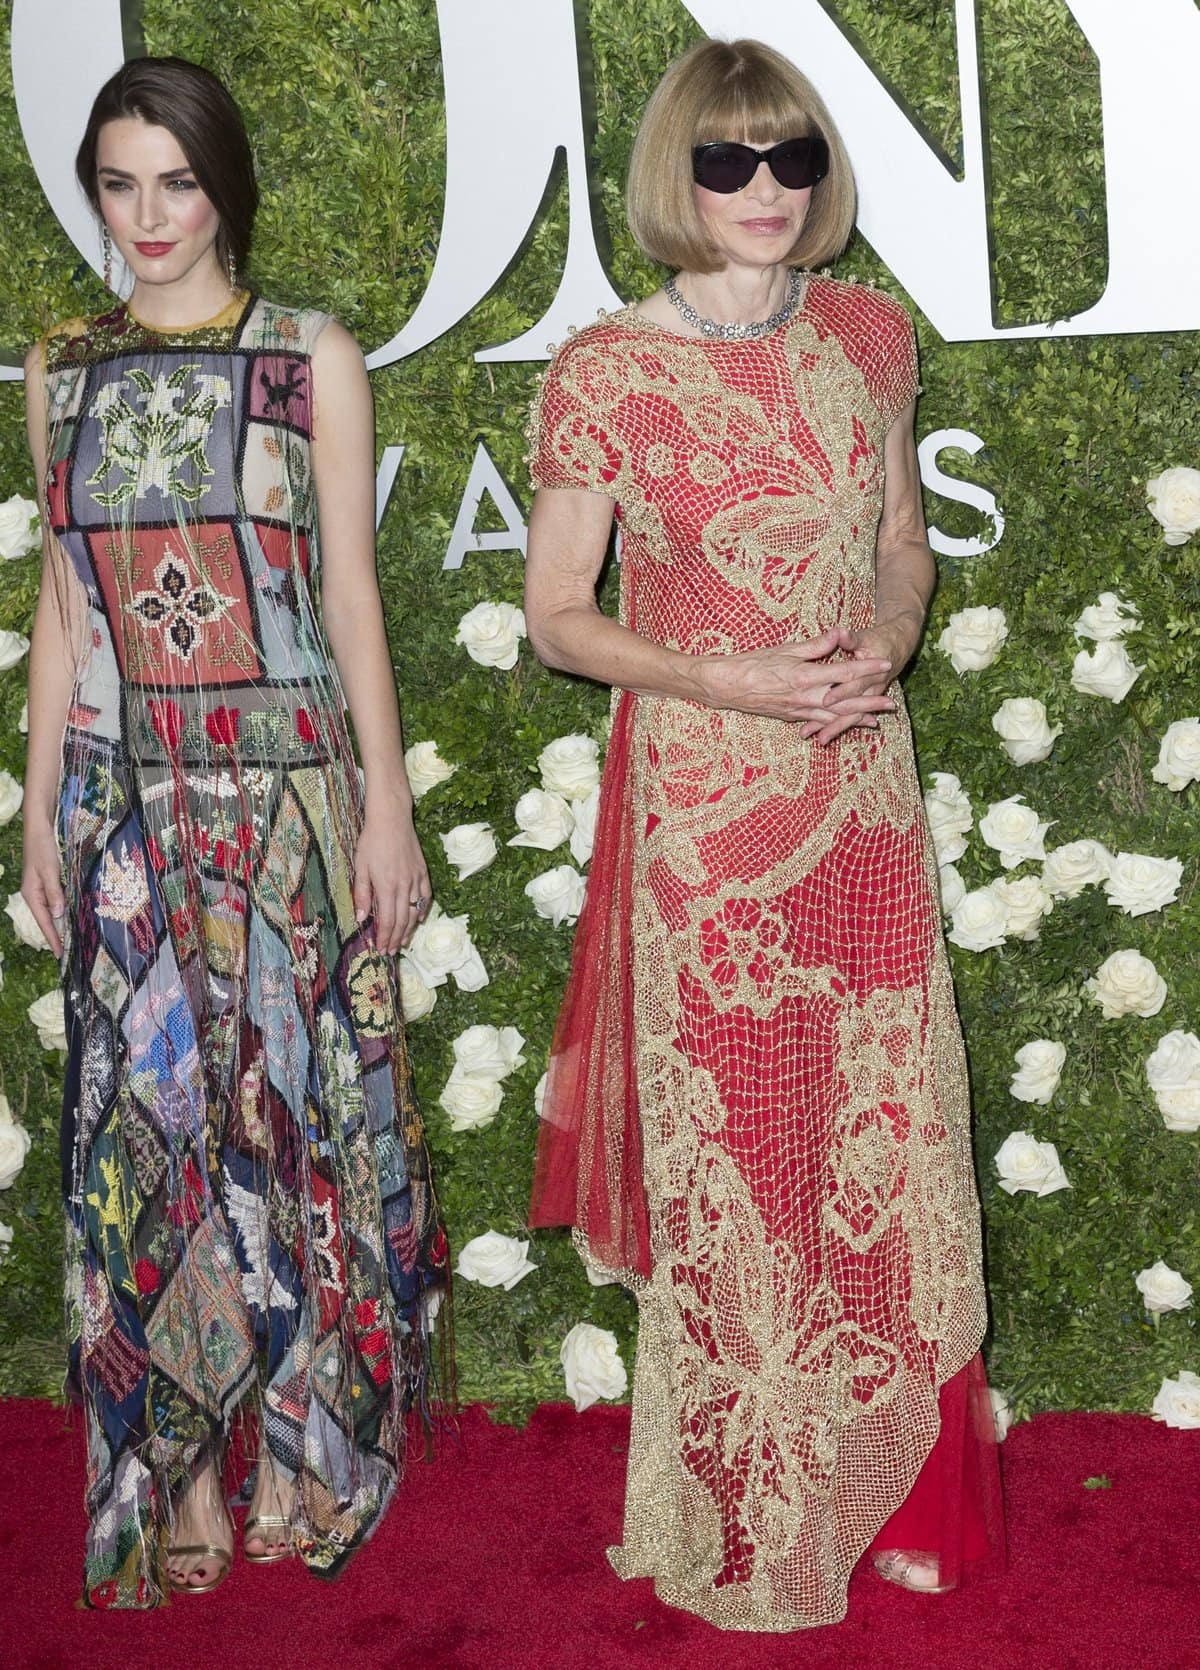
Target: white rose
x=1110, y=617
x=25, y=923
x=495, y=1260
x=558, y=894
x=1174, y=500
x=583, y=836
x=950, y=816
x=488, y=1052
x=14, y=1145
x=23, y=721
x=1138, y=883
x=1014, y=830
x=470, y=847
x=426, y=768
x=11, y=796
x=441, y=946
x=1001, y=1412
x=592, y=1365
x=972, y=638
x=1026, y=901
x=597, y=1278
x=1177, y=1402
x=1127, y=984
x=979, y=920
x=570, y=766
x=49, y=1017
x=1108, y=671
x=1039, y=1068
x=13, y=646
x=471, y=1103
x=544, y=820
x=491, y=634
x=1179, y=755
x=1173, y=1071
x=416, y=998
x=951, y=887
x=5, y=1238
x=1021, y=725
x=1024, y=1163
x=1071, y=868
x=1163, y=1289
x=19, y=530
x=539, y=1094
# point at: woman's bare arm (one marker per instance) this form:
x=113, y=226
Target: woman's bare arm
x=389, y=870
x=568, y=534
x=57, y=633
x=905, y=575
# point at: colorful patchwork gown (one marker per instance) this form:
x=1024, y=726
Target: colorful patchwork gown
x=757, y=1109
x=251, y=1225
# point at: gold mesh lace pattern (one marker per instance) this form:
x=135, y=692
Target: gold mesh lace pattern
x=804, y=1104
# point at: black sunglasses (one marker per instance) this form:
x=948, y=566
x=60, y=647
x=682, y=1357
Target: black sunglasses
x=726, y=167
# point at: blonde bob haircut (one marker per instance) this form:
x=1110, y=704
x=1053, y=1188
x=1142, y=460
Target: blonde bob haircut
x=734, y=90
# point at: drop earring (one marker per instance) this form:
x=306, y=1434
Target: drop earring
x=106, y=245
x=233, y=276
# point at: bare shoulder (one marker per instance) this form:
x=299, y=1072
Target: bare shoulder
x=341, y=389
x=335, y=348
x=335, y=340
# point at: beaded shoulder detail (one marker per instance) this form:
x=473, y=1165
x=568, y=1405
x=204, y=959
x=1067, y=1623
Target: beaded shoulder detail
x=259, y=324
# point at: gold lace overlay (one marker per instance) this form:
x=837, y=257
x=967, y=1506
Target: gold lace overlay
x=815, y=1239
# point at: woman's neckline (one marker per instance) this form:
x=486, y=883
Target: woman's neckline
x=228, y=315
x=631, y=312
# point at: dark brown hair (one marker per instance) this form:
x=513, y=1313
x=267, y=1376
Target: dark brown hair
x=200, y=112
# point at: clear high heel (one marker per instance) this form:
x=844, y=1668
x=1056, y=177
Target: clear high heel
x=898, y=1565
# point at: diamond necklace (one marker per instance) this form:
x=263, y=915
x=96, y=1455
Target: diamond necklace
x=739, y=333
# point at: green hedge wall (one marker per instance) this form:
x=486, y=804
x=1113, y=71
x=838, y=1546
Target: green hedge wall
x=344, y=103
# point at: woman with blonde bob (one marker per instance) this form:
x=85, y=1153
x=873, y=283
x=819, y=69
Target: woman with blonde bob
x=757, y=1113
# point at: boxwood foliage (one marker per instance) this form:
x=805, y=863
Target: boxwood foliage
x=344, y=103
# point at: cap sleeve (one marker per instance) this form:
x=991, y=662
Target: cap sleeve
x=570, y=438
x=898, y=382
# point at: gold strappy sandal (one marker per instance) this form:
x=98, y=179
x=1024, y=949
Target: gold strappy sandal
x=258, y=1526
x=210, y=1551
x=896, y=1566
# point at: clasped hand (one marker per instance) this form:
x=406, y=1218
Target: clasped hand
x=826, y=685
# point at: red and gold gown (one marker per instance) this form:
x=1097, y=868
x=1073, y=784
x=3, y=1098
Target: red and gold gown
x=757, y=1111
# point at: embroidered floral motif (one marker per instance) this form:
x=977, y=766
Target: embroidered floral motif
x=371, y=995
x=179, y=608
x=160, y=442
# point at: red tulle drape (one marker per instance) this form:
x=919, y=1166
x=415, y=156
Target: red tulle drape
x=955, y=1509
x=588, y=1173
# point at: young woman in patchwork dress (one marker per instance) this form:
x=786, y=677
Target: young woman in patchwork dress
x=251, y=1226
x=757, y=1109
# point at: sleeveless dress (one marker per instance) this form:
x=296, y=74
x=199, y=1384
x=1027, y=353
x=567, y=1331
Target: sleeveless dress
x=250, y=1222
x=757, y=1110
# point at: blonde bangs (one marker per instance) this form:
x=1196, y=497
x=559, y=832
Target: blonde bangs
x=736, y=90
x=755, y=108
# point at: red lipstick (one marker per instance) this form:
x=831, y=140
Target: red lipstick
x=154, y=249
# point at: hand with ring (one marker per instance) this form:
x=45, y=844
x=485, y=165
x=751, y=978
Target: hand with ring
x=391, y=880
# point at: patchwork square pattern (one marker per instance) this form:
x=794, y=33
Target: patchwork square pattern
x=178, y=606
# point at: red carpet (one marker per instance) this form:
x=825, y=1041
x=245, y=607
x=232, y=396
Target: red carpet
x=492, y=1559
